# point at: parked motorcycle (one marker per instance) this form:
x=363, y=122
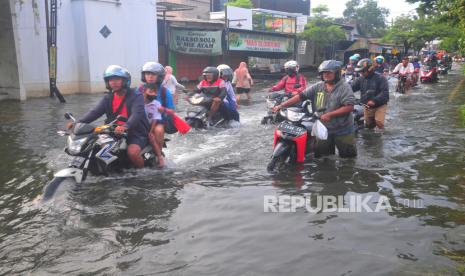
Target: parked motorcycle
x=98, y=150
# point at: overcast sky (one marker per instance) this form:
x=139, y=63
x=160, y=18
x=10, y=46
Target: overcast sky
x=337, y=7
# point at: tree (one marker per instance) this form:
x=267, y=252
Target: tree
x=452, y=13
x=246, y=4
x=321, y=30
x=370, y=18
x=415, y=31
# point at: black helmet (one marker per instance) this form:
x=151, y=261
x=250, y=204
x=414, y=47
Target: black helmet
x=363, y=65
x=213, y=70
x=155, y=68
x=330, y=66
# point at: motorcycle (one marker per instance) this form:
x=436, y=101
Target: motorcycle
x=443, y=69
x=349, y=78
x=400, y=87
x=428, y=74
x=273, y=99
x=292, y=140
x=197, y=114
x=98, y=150
x=359, y=117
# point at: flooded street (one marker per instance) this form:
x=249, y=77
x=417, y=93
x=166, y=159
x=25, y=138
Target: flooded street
x=205, y=214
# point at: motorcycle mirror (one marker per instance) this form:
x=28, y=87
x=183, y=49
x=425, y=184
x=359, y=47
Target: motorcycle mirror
x=122, y=118
x=68, y=115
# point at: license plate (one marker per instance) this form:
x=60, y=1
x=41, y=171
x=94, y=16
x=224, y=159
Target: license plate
x=77, y=161
x=291, y=129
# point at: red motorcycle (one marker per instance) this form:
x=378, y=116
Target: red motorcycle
x=428, y=74
x=292, y=138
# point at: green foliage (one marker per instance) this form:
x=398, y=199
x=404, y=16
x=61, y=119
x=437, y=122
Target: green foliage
x=321, y=29
x=450, y=12
x=247, y=4
x=370, y=18
x=414, y=32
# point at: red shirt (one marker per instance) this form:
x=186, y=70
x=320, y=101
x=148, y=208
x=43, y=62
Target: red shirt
x=287, y=83
x=115, y=104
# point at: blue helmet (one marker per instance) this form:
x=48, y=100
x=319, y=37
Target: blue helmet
x=353, y=58
x=379, y=59
x=117, y=71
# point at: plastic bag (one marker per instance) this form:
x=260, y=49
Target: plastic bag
x=320, y=131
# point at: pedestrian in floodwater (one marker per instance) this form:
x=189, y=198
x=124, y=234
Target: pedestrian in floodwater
x=243, y=81
x=171, y=83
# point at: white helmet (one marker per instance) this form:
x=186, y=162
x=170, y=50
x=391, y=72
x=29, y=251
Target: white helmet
x=226, y=72
x=291, y=64
x=155, y=68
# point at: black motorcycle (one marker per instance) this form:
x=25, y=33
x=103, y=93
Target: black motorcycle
x=272, y=100
x=98, y=150
x=401, y=84
x=197, y=114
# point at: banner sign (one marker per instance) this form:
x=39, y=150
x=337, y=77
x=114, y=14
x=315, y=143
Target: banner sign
x=260, y=43
x=196, y=42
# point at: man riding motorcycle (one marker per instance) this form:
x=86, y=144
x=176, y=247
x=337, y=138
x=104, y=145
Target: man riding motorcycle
x=380, y=65
x=374, y=90
x=405, y=69
x=293, y=83
x=333, y=95
x=212, y=85
x=122, y=100
x=153, y=73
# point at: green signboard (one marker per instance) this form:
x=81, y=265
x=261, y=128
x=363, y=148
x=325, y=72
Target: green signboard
x=260, y=43
x=195, y=42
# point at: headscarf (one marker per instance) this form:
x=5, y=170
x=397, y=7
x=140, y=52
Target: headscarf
x=169, y=72
x=242, y=72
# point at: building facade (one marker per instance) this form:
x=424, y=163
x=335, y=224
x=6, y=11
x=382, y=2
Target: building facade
x=90, y=36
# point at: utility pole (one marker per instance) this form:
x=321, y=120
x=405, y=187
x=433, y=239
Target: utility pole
x=51, y=23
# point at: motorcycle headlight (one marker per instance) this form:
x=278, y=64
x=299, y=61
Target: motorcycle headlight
x=294, y=116
x=270, y=103
x=75, y=146
x=196, y=100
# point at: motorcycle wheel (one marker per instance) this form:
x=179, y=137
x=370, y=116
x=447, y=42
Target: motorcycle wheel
x=51, y=188
x=278, y=161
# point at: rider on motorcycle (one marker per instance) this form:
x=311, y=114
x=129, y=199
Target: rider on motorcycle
x=380, y=65
x=337, y=99
x=153, y=73
x=416, y=66
x=293, y=83
x=122, y=100
x=350, y=67
x=212, y=85
x=226, y=73
x=405, y=69
x=374, y=90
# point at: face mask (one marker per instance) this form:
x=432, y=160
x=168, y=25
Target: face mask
x=290, y=72
x=151, y=98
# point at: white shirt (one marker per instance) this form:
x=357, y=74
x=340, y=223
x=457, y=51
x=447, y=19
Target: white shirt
x=172, y=83
x=404, y=70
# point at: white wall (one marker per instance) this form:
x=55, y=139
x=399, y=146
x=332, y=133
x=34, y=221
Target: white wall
x=83, y=53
